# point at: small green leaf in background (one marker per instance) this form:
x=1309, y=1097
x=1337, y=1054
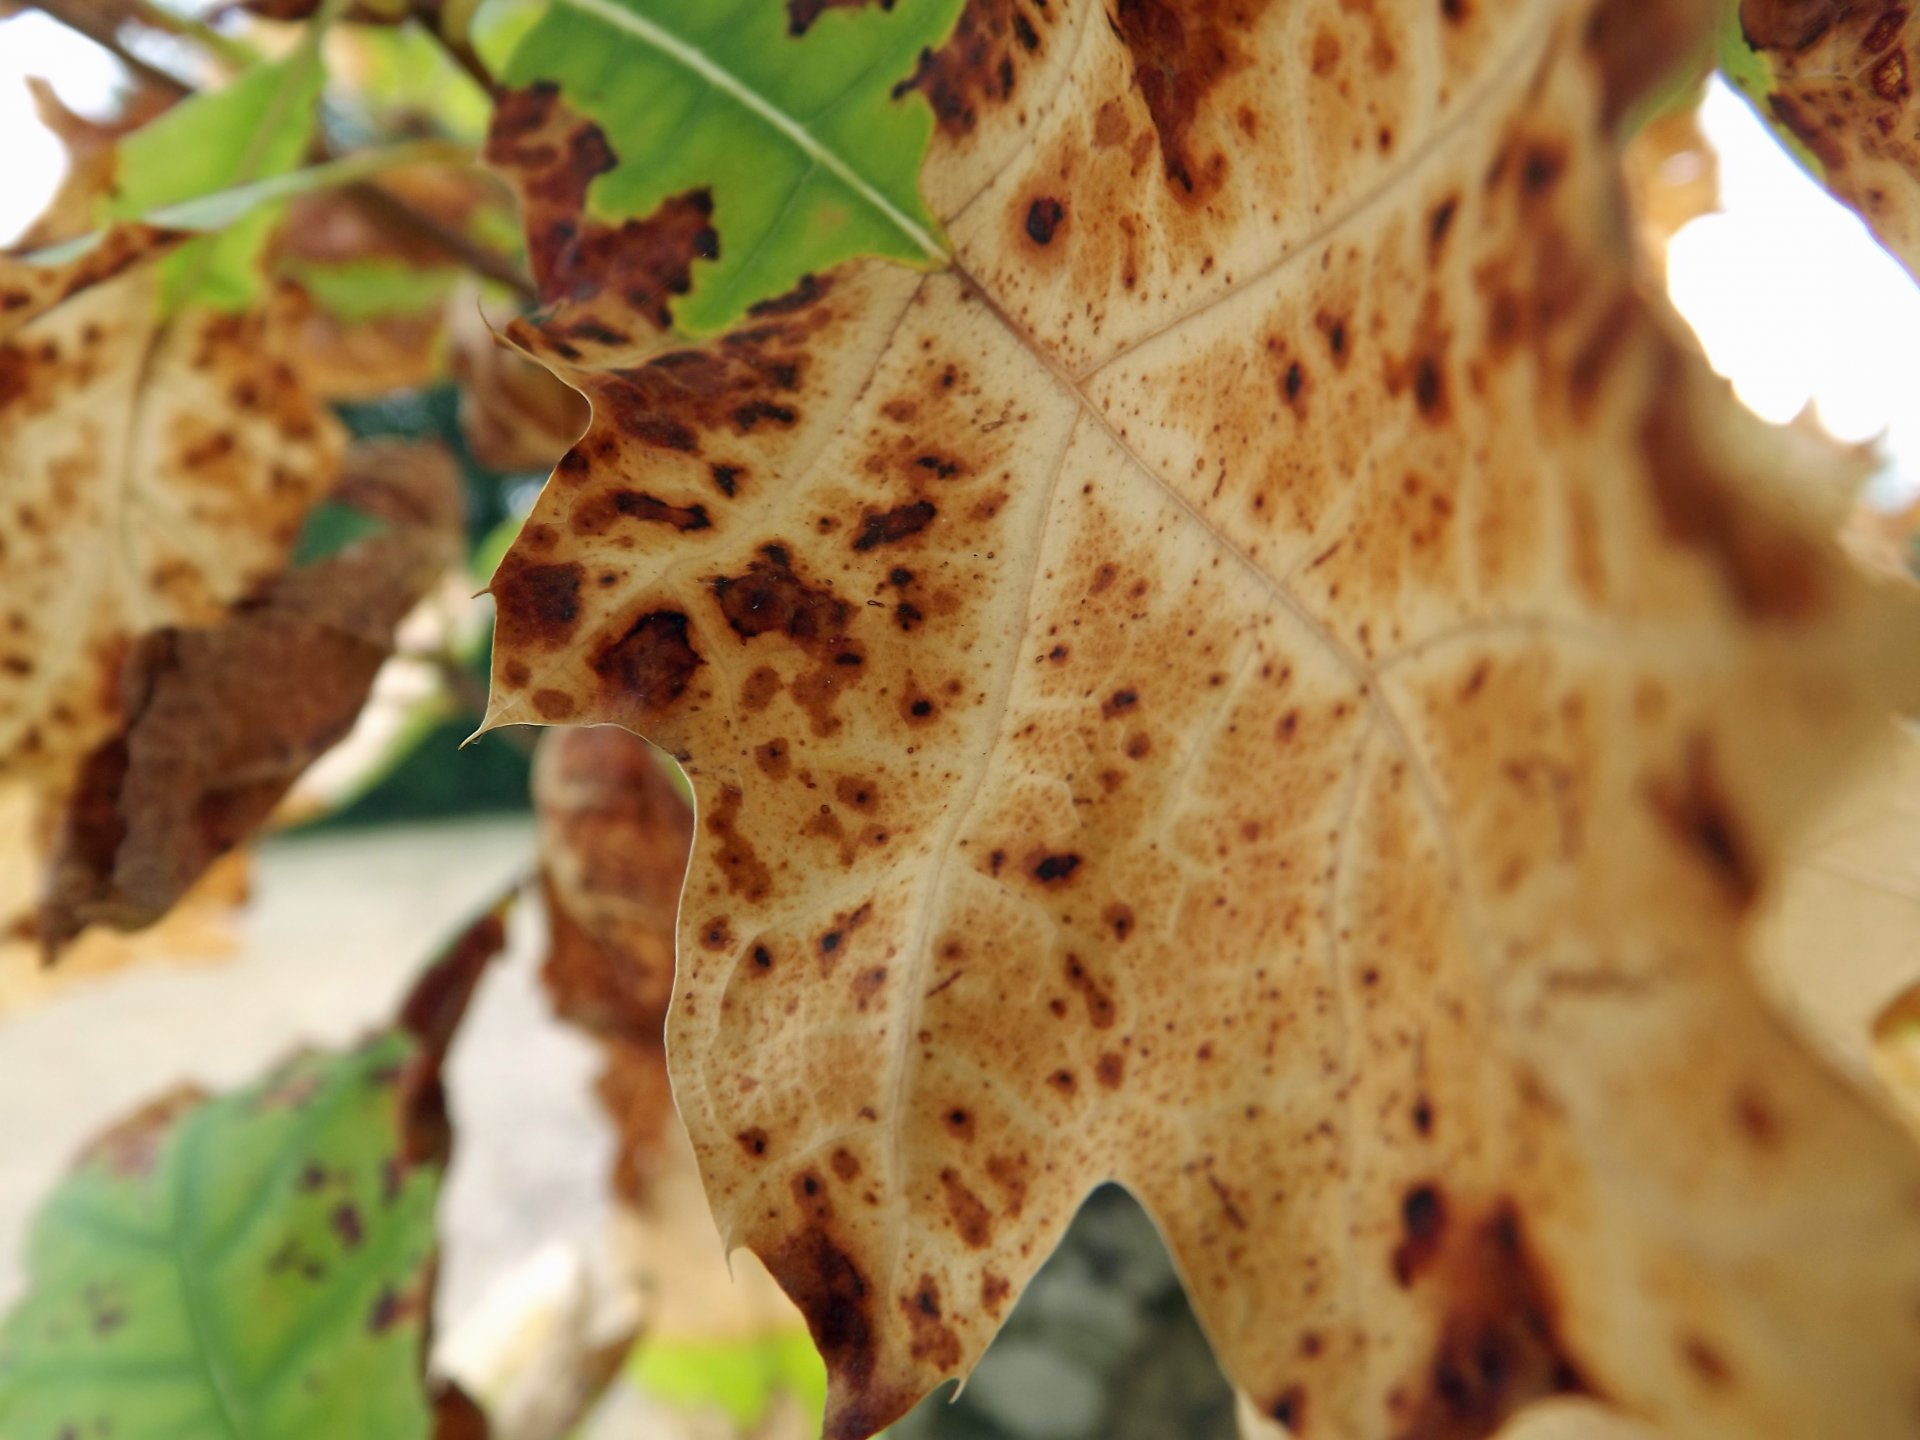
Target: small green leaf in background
x=739, y=1378
x=809, y=157
x=359, y=291
x=257, y=127
x=258, y=1265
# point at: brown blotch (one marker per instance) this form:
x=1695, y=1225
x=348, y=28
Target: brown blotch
x=538, y=604
x=1498, y=1348
x=856, y=794
x=894, y=525
x=1423, y=1222
x=594, y=514
x=746, y=875
x=1180, y=52
x=1706, y=1362
x=959, y=1123
x=1290, y=1409
x=1807, y=129
x=981, y=62
x=771, y=599
x=1044, y=218
x=972, y=1221
x=552, y=704
x=833, y=940
x=1889, y=78
x=1119, y=918
x=833, y=1294
x=753, y=1141
x=994, y=1290
x=1696, y=811
x=1119, y=703
x=845, y=1164
x=651, y=664
x=759, y=688
x=1110, y=1069
x=773, y=759
x=1099, y=1000
x=1052, y=869
x=553, y=156
x=932, y=1341
x=1755, y=1117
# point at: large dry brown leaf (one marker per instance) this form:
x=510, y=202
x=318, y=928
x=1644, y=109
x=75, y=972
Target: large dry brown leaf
x=614, y=832
x=1837, y=78
x=220, y=721
x=1276, y=680
x=156, y=471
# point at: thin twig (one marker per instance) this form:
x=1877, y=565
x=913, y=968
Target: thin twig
x=460, y=50
x=476, y=257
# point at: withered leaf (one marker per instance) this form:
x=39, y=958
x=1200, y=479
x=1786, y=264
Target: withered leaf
x=614, y=832
x=220, y=721
x=514, y=414
x=1835, y=78
x=156, y=472
x=1277, y=679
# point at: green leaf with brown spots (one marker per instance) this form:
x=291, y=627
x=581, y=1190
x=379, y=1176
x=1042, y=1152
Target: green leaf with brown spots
x=1278, y=678
x=757, y=142
x=255, y=1265
x=1836, y=82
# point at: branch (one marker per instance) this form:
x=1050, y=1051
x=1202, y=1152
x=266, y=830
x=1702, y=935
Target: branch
x=98, y=24
x=396, y=212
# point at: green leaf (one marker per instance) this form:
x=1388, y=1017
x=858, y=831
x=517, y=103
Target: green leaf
x=253, y=1265
x=738, y=1377
x=806, y=153
x=256, y=128
x=358, y=291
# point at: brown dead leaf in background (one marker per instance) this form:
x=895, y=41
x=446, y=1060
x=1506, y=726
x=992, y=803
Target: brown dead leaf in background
x=358, y=357
x=1278, y=680
x=614, y=833
x=92, y=152
x=515, y=415
x=220, y=721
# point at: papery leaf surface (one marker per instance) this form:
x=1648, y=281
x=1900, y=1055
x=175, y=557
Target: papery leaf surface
x=1278, y=679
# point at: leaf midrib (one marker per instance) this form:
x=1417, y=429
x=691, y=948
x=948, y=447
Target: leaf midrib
x=722, y=80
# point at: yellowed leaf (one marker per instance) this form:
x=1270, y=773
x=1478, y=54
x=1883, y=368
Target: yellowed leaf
x=1278, y=679
x=156, y=473
x=219, y=721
